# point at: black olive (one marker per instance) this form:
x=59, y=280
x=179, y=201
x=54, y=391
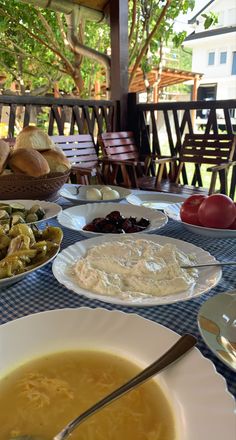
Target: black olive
x=114, y=216
x=115, y=223
x=143, y=222
x=133, y=220
x=126, y=224
x=97, y=220
x=89, y=227
x=108, y=228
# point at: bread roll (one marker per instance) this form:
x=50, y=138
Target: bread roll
x=57, y=161
x=28, y=162
x=33, y=137
x=4, y=153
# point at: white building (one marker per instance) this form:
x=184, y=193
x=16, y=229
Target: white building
x=214, y=51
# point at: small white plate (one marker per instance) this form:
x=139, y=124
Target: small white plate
x=78, y=216
x=155, y=200
x=207, y=277
x=173, y=212
x=51, y=209
x=217, y=324
x=69, y=192
x=202, y=406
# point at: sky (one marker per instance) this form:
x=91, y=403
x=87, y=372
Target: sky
x=181, y=22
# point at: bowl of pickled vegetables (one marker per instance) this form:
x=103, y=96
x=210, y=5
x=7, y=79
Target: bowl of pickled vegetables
x=24, y=248
x=13, y=212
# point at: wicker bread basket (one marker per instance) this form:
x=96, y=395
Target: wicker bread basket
x=19, y=186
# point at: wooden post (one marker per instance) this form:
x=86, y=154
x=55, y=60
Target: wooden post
x=119, y=56
x=194, y=98
x=156, y=88
x=195, y=88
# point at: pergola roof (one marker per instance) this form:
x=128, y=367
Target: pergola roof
x=169, y=77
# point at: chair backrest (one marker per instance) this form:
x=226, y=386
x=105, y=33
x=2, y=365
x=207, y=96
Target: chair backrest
x=79, y=149
x=207, y=149
x=119, y=145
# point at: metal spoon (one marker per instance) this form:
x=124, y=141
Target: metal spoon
x=182, y=346
x=216, y=264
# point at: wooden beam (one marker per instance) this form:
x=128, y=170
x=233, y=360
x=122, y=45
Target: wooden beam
x=119, y=56
x=195, y=88
x=194, y=98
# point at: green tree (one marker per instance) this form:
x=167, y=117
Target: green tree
x=41, y=48
x=35, y=52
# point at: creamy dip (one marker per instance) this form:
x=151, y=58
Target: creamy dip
x=134, y=269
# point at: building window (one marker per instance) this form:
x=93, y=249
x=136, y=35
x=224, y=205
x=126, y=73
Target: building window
x=234, y=64
x=211, y=58
x=223, y=57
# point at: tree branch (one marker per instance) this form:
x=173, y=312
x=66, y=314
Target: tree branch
x=148, y=39
x=133, y=49
x=133, y=23
x=61, y=29
x=40, y=40
x=48, y=28
x=27, y=55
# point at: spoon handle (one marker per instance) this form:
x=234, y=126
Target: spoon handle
x=217, y=263
x=184, y=344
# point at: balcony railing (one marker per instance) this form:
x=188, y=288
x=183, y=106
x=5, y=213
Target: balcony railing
x=57, y=116
x=159, y=128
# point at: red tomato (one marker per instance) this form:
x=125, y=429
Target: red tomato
x=189, y=209
x=233, y=226
x=217, y=211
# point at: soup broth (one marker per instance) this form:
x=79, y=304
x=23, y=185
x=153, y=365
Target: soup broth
x=40, y=397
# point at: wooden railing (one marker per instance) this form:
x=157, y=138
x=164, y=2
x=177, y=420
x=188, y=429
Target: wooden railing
x=57, y=116
x=161, y=127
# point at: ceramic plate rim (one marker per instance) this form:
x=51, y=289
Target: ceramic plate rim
x=43, y=203
x=5, y=282
x=70, y=254
x=152, y=194
x=74, y=197
x=196, y=417
x=201, y=311
x=195, y=227
x=157, y=219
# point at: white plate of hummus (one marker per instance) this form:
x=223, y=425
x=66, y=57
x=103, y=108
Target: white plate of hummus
x=135, y=269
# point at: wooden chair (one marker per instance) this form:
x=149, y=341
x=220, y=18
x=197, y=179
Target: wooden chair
x=216, y=150
x=80, y=150
x=120, y=150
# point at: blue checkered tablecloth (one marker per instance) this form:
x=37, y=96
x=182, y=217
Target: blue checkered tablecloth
x=41, y=291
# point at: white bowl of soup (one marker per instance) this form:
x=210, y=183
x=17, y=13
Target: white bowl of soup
x=54, y=365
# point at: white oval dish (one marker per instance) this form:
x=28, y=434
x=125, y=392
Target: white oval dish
x=51, y=209
x=196, y=392
x=217, y=324
x=6, y=282
x=69, y=192
x=77, y=217
x=155, y=200
x=173, y=212
x=63, y=264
